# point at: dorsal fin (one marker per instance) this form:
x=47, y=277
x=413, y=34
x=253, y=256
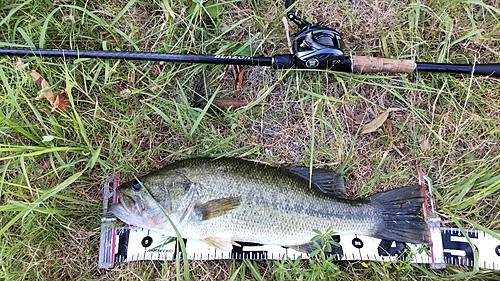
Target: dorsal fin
x=328, y=181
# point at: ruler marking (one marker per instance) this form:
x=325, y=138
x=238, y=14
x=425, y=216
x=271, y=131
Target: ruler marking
x=456, y=249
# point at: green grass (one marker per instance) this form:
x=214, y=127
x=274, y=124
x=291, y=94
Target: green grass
x=135, y=116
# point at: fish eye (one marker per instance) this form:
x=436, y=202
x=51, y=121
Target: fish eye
x=136, y=185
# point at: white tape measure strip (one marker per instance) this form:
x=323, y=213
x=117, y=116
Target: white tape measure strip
x=449, y=246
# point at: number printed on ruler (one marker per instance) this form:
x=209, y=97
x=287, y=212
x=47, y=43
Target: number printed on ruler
x=457, y=249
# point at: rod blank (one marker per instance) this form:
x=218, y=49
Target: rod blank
x=355, y=64
x=490, y=69
x=361, y=64
x=217, y=59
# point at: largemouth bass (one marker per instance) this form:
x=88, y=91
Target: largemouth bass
x=226, y=200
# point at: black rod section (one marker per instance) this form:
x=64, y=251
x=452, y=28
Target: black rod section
x=491, y=69
x=217, y=59
x=278, y=61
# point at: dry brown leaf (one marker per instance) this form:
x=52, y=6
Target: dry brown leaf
x=44, y=86
x=377, y=122
x=361, y=118
x=388, y=124
x=58, y=102
x=61, y=103
x=239, y=80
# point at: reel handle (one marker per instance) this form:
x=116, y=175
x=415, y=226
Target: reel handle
x=289, y=3
x=300, y=22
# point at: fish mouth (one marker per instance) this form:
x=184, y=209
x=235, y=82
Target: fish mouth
x=131, y=215
x=130, y=205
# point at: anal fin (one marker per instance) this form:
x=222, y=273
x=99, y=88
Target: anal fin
x=224, y=243
x=303, y=248
x=309, y=247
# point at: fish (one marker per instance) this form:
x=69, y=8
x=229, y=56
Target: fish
x=229, y=200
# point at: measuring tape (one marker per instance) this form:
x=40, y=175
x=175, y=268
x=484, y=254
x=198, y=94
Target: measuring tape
x=448, y=245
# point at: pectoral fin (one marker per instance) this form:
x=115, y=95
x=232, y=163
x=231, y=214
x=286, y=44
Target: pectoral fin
x=216, y=207
x=222, y=243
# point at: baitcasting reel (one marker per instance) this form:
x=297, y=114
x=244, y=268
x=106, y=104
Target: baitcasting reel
x=315, y=46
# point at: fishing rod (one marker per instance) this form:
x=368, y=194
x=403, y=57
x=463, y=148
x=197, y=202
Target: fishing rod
x=315, y=46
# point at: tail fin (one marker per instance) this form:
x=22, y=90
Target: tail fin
x=400, y=210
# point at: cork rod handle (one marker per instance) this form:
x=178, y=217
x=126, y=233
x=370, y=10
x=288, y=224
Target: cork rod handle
x=361, y=64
